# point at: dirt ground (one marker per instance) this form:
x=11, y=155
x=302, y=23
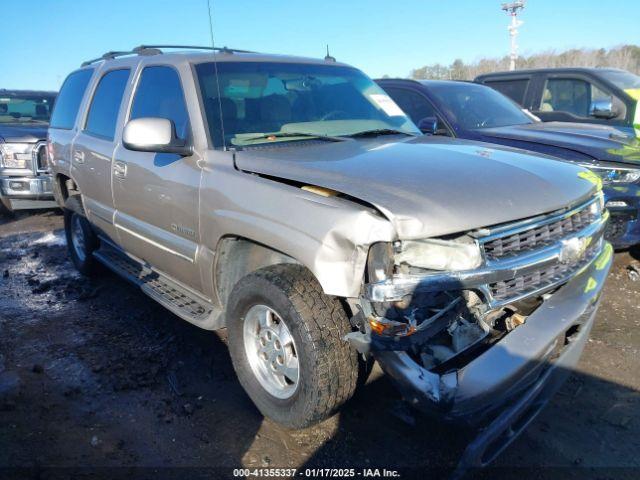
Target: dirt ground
x=96, y=380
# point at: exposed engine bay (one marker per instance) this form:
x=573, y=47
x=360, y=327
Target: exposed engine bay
x=444, y=330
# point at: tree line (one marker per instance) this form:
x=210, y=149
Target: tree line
x=626, y=57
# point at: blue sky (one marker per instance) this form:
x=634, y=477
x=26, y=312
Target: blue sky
x=41, y=41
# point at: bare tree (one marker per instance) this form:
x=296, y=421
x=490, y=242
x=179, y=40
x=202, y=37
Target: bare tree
x=626, y=57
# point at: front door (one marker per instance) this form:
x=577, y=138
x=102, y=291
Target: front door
x=156, y=194
x=567, y=98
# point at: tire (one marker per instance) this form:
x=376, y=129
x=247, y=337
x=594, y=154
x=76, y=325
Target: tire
x=328, y=366
x=81, y=239
x=365, y=367
x=5, y=207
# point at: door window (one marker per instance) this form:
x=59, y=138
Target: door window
x=571, y=95
x=160, y=95
x=105, y=105
x=68, y=102
x=514, y=89
x=412, y=103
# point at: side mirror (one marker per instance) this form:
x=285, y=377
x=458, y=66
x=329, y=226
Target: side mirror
x=602, y=108
x=152, y=134
x=428, y=125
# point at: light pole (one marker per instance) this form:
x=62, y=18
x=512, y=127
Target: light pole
x=512, y=10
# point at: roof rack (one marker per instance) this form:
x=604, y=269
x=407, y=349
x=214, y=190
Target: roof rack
x=193, y=47
x=157, y=50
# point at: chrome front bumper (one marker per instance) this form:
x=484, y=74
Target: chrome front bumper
x=27, y=188
x=551, y=341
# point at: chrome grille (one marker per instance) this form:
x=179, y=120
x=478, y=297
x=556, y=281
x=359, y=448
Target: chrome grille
x=522, y=285
x=538, y=236
x=546, y=245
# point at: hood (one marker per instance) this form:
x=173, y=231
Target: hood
x=21, y=133
x=599, y=142
x=429, y=186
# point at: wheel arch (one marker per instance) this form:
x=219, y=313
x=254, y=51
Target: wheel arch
x=238, y=256
x=64, y=187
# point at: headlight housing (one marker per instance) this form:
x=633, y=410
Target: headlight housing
x=380, y=262
x=16, y=155
x=611, y=175
x=436, y=254
x=429, y=254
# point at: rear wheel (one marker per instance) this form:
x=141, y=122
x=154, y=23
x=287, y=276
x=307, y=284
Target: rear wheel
x=81, y=239
x=287, y=347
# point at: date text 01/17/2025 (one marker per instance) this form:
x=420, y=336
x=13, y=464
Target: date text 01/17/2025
x=316, y=472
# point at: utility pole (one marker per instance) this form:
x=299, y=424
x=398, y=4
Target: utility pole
x=513, y=9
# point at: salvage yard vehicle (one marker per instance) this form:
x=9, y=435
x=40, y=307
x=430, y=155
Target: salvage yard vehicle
x=608, y=96
x=25, y=181
x=476, y=112
x=291, y=201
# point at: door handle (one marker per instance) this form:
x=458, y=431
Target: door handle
x=120, y=169
x=78, y=157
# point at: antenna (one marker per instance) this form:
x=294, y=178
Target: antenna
x=215, y=68
x=327, y=57
x=513, y=9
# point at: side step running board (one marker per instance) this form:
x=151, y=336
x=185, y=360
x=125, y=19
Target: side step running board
x=176, y=298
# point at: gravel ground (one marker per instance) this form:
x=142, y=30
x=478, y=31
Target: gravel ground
x=96, y=380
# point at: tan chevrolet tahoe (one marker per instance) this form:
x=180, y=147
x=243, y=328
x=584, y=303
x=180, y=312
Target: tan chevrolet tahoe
x=292, y=202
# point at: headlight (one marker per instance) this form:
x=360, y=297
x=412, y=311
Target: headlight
x=443, y=255
x=16, y=155
x=615, y=174
x=597, y=207
x=380, y=261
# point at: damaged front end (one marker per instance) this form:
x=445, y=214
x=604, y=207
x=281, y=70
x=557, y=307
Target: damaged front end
x=467, y=324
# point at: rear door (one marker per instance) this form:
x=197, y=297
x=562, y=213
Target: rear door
x=93, y=148
x=62, y=126
x=156, y=194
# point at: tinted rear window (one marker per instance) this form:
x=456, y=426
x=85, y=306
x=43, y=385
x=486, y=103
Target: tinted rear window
x=68, y=101
x=105, y=104
x=514, y=89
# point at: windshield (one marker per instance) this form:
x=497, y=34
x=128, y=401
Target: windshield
x=264, y=102
x=473, y=106
x=16, y=108
x=621, y=79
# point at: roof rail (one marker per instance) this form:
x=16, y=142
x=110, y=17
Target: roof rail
x=156, y=50
x=192, y=47
x=108, y=56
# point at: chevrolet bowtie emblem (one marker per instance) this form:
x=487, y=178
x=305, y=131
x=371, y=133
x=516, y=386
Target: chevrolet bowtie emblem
x=572, y=249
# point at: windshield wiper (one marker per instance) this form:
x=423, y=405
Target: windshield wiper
x=252, y=139
x=379, y=131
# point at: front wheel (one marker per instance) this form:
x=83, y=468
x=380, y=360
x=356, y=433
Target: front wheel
x=286, y=339
x=5, y=207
